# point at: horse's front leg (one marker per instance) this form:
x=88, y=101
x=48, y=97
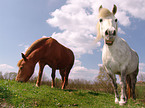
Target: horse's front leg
x=41, y=67
x=112, y=76
x=123, y=98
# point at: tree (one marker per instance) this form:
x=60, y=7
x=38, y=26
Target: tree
x=10, y=76
x=141, y=77
x=103, y=76
x=1, y=76
x=103, y=81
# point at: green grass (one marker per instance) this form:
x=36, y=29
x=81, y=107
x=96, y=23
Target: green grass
x=26, y=95
x=140, y=92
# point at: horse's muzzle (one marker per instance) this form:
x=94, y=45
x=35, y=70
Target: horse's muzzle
x=20, y=81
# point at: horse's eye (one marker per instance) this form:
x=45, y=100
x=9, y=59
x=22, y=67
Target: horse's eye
x=115, y=20
x=21, y=68
x=101, y=20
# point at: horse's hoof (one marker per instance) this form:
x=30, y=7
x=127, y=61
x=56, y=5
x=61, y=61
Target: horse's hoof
x=116, y=101
x=62, y=88
x=121, y=103
x=37, y=85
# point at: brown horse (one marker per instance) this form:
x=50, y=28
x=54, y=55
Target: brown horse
x=46, y=51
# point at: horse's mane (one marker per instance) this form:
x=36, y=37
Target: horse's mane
x=33, y=46
x=103, y=13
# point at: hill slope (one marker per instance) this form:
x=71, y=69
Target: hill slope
x=25, y=95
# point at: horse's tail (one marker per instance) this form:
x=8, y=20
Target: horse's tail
x=128, y=82
x=131, y=87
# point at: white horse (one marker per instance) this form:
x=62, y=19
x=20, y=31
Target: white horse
x=117, y=56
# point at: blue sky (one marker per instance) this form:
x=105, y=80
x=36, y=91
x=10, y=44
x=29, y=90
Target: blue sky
x=72, y=23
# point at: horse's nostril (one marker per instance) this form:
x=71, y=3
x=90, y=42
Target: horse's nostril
x=20, y=81
x=106, y=32
x=114, y=32
x=110, y=32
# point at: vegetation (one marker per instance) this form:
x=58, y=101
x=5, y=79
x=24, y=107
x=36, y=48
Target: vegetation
x=79, y=93
x=26, y=95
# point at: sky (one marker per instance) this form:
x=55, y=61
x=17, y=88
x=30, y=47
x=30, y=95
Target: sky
x=73, y=24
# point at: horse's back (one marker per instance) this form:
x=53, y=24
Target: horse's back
x=58, y=54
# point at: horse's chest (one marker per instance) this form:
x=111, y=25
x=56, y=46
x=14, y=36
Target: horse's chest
x=111, y=64
x=115, y=60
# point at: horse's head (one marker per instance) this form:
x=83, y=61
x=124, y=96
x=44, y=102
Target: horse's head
x=26, y=69
x=107, y=25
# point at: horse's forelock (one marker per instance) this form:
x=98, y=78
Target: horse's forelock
x=19, y=63
x=103, y=13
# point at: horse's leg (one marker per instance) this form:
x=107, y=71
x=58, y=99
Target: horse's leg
x=123, y=98
x=112, y=76
x=61, y=71
x=53, y=77
x=66, y=78
x=65, y=74
x=41, y=67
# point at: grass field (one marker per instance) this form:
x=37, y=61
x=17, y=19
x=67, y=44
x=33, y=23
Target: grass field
x=26, y=95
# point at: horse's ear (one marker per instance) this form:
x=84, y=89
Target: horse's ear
x=100, y=8
x=24, y=57
x=114, y=10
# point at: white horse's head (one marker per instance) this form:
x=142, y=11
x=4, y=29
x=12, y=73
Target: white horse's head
x=107, y=25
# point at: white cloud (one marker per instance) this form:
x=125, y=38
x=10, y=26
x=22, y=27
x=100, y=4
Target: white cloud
x=121, y=31
x=6, y=68
x=79, y=44
x=134, y=7
x=141, y=76
x=80, y=72
x=123, y=18
x=142, y=66
x=78, y=28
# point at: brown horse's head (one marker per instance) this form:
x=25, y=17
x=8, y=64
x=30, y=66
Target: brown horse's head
x=26, y=69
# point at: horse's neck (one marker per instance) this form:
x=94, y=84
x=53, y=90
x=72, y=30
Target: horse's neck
x=35, y=56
